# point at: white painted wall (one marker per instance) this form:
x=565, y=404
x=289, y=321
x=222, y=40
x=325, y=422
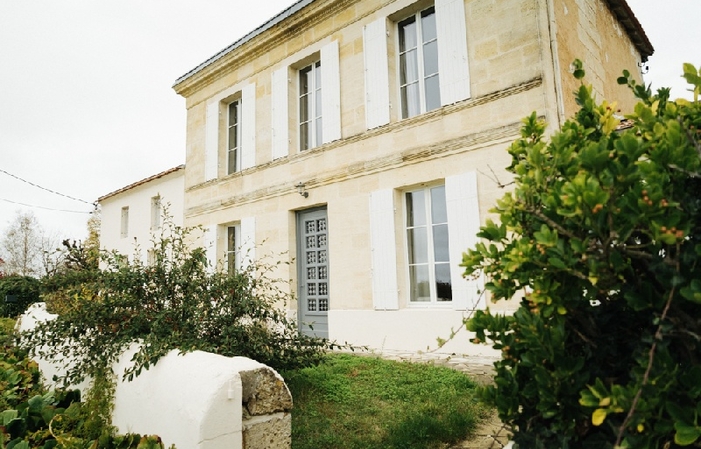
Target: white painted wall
x=171, y=189
x=192, y=400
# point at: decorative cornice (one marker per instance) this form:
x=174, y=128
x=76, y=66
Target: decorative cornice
x=268, y=36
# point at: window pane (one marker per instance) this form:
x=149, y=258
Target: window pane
x=317, y=103
x=419, y=283
x=444, y=290
x=233, y=113
x=409, y=67
x=407, y=34
x=433, y=93
x=317, y=75
x=411, y=105
x=417, y=242
x=233, y=141
x=304, y=108
x=431, y=58
x=304, y=80
x=428, y=24
x=439, y=213
x=440, y=243
x=304, y=136
x=318, y=128
x=416, y=208
x=231, y=166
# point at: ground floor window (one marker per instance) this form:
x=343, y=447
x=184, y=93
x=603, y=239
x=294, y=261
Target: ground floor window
x=428, y=246
x=232, y=239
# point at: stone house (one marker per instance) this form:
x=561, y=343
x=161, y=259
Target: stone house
x=365, y=141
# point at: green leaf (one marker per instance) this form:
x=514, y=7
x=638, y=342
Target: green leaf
x=685, y=434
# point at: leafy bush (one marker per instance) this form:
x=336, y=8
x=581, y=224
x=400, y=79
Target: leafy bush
x=601, y=239
x=33, y=417
x=176, y=302
x=24, y=291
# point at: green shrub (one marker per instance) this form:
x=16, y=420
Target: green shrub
x=601, y=239
x=176, y=302
x=22, y=291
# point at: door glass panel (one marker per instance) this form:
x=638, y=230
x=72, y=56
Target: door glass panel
x=416, y=208
x=418, y=245
x=440, y=243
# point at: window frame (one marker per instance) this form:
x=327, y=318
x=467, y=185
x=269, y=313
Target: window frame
x=430, y=253
x=124, y=223
x=420, y=61
x=238, y=127
x=156, y=208
x=313, y=97
x=232, y=248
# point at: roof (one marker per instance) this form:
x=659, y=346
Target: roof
x=297, y=6
x=632, y=26
x=619, y=8
x=142, y=182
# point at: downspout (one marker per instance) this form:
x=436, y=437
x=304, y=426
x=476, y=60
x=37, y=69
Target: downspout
x=552, y=31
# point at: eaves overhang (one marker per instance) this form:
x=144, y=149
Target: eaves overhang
x=142, y=182
x=632, y=26
x=261, y=29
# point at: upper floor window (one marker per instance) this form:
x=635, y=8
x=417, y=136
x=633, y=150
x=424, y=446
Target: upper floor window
x=124, y=229
x=427, y=245
x=310, y=121
x=418, y=63
x=155, y=212
x=234, y=138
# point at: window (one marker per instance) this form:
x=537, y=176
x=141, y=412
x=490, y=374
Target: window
x=310, y=126
x=427, y=246
x=124, y=232
x=234, y=138
x=418, y=63
x=155, y=212
x=232, y=241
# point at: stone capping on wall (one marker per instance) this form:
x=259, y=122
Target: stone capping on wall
x=195, y=400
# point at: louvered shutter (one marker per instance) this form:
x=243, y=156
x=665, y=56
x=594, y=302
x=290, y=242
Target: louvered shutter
x=280, y=113
x=453, y=66
x=330, y=93
x=376, y=73
x=211, y=141
x=248, y=241
x=385, y=292
x=248, y=126
x=463, y=225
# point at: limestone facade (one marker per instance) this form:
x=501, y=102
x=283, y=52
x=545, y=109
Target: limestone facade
x=389, y=280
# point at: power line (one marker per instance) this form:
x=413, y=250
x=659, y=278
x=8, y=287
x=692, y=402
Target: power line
x=44, y=188
x=46, y=208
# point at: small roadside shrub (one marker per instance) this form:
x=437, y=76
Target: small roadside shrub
x=17, y=293
x=601, y=240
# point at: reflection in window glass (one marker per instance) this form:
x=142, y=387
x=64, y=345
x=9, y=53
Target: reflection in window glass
x=428, y=245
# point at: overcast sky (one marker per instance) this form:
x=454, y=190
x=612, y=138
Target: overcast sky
x=86, y=98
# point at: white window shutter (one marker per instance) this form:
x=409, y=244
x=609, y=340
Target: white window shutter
x=376, y=73
x=248, y=126
x=385, y=292
x=210, y=246
x=280, y=113
x=453, y=65
x=463, y=225
x=248, y=241
x=211, y=141
x=330, y=92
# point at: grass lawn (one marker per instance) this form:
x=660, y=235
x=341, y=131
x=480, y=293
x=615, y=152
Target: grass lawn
x=360, y=402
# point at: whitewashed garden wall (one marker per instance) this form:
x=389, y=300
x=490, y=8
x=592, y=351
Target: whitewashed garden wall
x=196, y=400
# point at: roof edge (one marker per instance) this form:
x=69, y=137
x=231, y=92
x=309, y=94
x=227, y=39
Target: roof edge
x=143, y=181
x=292, y=9
x=633, y=28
